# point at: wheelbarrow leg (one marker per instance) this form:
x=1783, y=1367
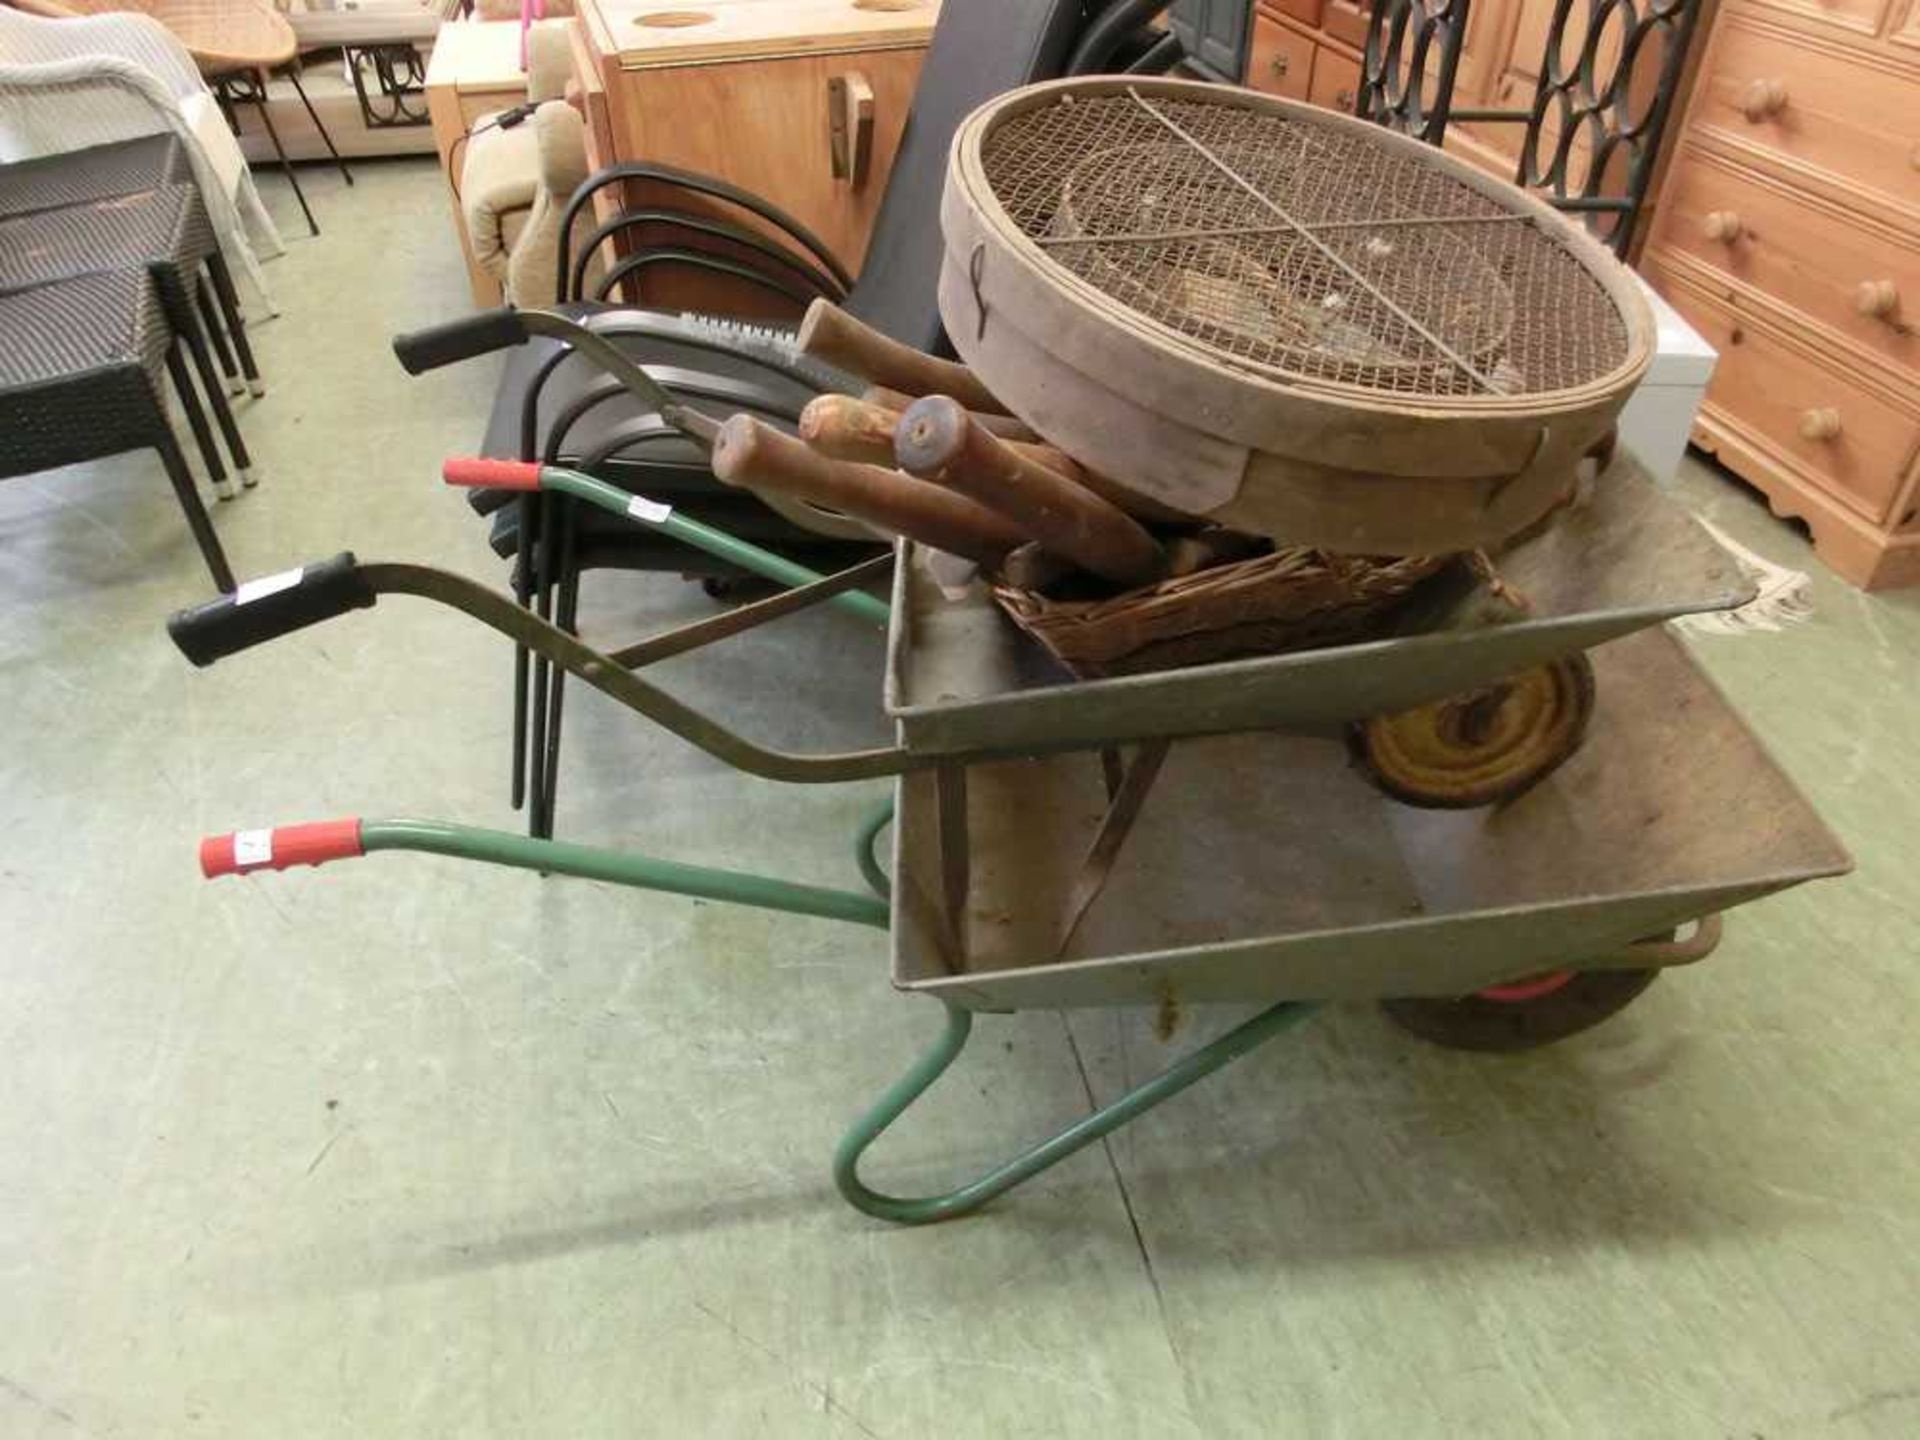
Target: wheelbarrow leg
x=864, y=845
x=900, y=1096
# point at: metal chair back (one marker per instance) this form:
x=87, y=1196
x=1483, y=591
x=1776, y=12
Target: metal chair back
x=1397, y=88
x=1599, y=111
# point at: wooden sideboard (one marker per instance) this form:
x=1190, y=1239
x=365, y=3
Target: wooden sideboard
x=746, y=91
x=1788, y=234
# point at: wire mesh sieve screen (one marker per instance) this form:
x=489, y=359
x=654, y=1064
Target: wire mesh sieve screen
x=1302, y=250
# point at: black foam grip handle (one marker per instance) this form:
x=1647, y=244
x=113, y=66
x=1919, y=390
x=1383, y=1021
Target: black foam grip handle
x=270, y=607
x=480, y=333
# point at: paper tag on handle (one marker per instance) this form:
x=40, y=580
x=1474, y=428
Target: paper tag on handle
x=251, y=590
x=652, y=511
x=252, y=847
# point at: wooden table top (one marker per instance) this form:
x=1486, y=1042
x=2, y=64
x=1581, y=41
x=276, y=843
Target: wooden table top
x=649, y=34
x=477, y=55
x=317, y=29
x=228, y=34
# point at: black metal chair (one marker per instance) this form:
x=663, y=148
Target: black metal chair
x=1396, y=88
x=80, y=380
x=164, y=231
x=1620, y=110
x=557, y=408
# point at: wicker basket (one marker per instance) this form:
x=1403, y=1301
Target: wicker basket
x=1293, y=599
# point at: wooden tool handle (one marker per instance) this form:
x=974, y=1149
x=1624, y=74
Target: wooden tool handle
x=1032, y=568
x=1191, y=554
x=843, y=428
x=1005, y=426
x=831, y=334
x=848, y=429
x=758, y=457
x=1140, y=507
x=937, y=440
x=1017, y=432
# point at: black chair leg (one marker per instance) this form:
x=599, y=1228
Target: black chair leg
x=189, y=497
x=259, y=97
x=293, y=74
x=236, y=322
x=542, y=672
x=567, y=616
x=197, y=422
x=217, y=333
x=196, y=343
x=522, y=657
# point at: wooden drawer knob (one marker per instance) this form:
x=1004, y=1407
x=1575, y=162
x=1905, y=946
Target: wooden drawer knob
x=1343, y=99
x=1876, y=299
x=1821, y=424
x=1280, y=65
x=1722, y=225
x=1763, y=98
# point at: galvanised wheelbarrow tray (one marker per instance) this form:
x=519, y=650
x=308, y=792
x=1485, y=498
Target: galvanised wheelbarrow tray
x=1196, y=835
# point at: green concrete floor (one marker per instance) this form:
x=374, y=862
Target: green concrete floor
x=410, y=1149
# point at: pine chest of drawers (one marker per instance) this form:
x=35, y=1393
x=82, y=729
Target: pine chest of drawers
x=1788, y=233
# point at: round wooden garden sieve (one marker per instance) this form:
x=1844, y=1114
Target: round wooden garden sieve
x=1287, y=320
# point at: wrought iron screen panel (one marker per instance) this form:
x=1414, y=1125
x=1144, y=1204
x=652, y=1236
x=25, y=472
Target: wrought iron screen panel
x=1594, y=130
x=1407, y=73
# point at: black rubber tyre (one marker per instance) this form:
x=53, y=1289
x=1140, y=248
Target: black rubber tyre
x=1478, y=1022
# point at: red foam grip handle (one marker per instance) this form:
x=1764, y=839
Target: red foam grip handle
x=276, y=849
x=491, y=474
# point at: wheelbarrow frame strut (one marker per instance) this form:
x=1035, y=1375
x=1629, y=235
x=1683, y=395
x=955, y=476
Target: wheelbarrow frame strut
x=1194, y=1066
x=496, y=847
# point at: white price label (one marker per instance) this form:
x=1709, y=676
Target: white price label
x=651, y=511
x=253, y=847
x=266, y=585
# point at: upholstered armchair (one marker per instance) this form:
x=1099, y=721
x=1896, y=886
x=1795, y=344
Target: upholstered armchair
x=515, y=180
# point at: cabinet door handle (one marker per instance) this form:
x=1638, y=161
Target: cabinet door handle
x=1820, y=424
x=1877, y=299
x=850, y=127
x=1763, y=99
x=1343, y=99
x=1280, y=65
x=1723, y=225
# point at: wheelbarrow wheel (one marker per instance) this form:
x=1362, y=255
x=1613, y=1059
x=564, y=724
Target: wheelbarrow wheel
x=1524, y=1015
x=1487, y=745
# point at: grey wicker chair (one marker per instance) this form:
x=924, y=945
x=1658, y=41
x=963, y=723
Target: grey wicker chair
x=125, y=167
x=80, y=380
x=94, y=172
x=164, y=231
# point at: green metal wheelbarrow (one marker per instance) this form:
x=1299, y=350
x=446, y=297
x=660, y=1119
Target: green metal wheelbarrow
x=1198, y=835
